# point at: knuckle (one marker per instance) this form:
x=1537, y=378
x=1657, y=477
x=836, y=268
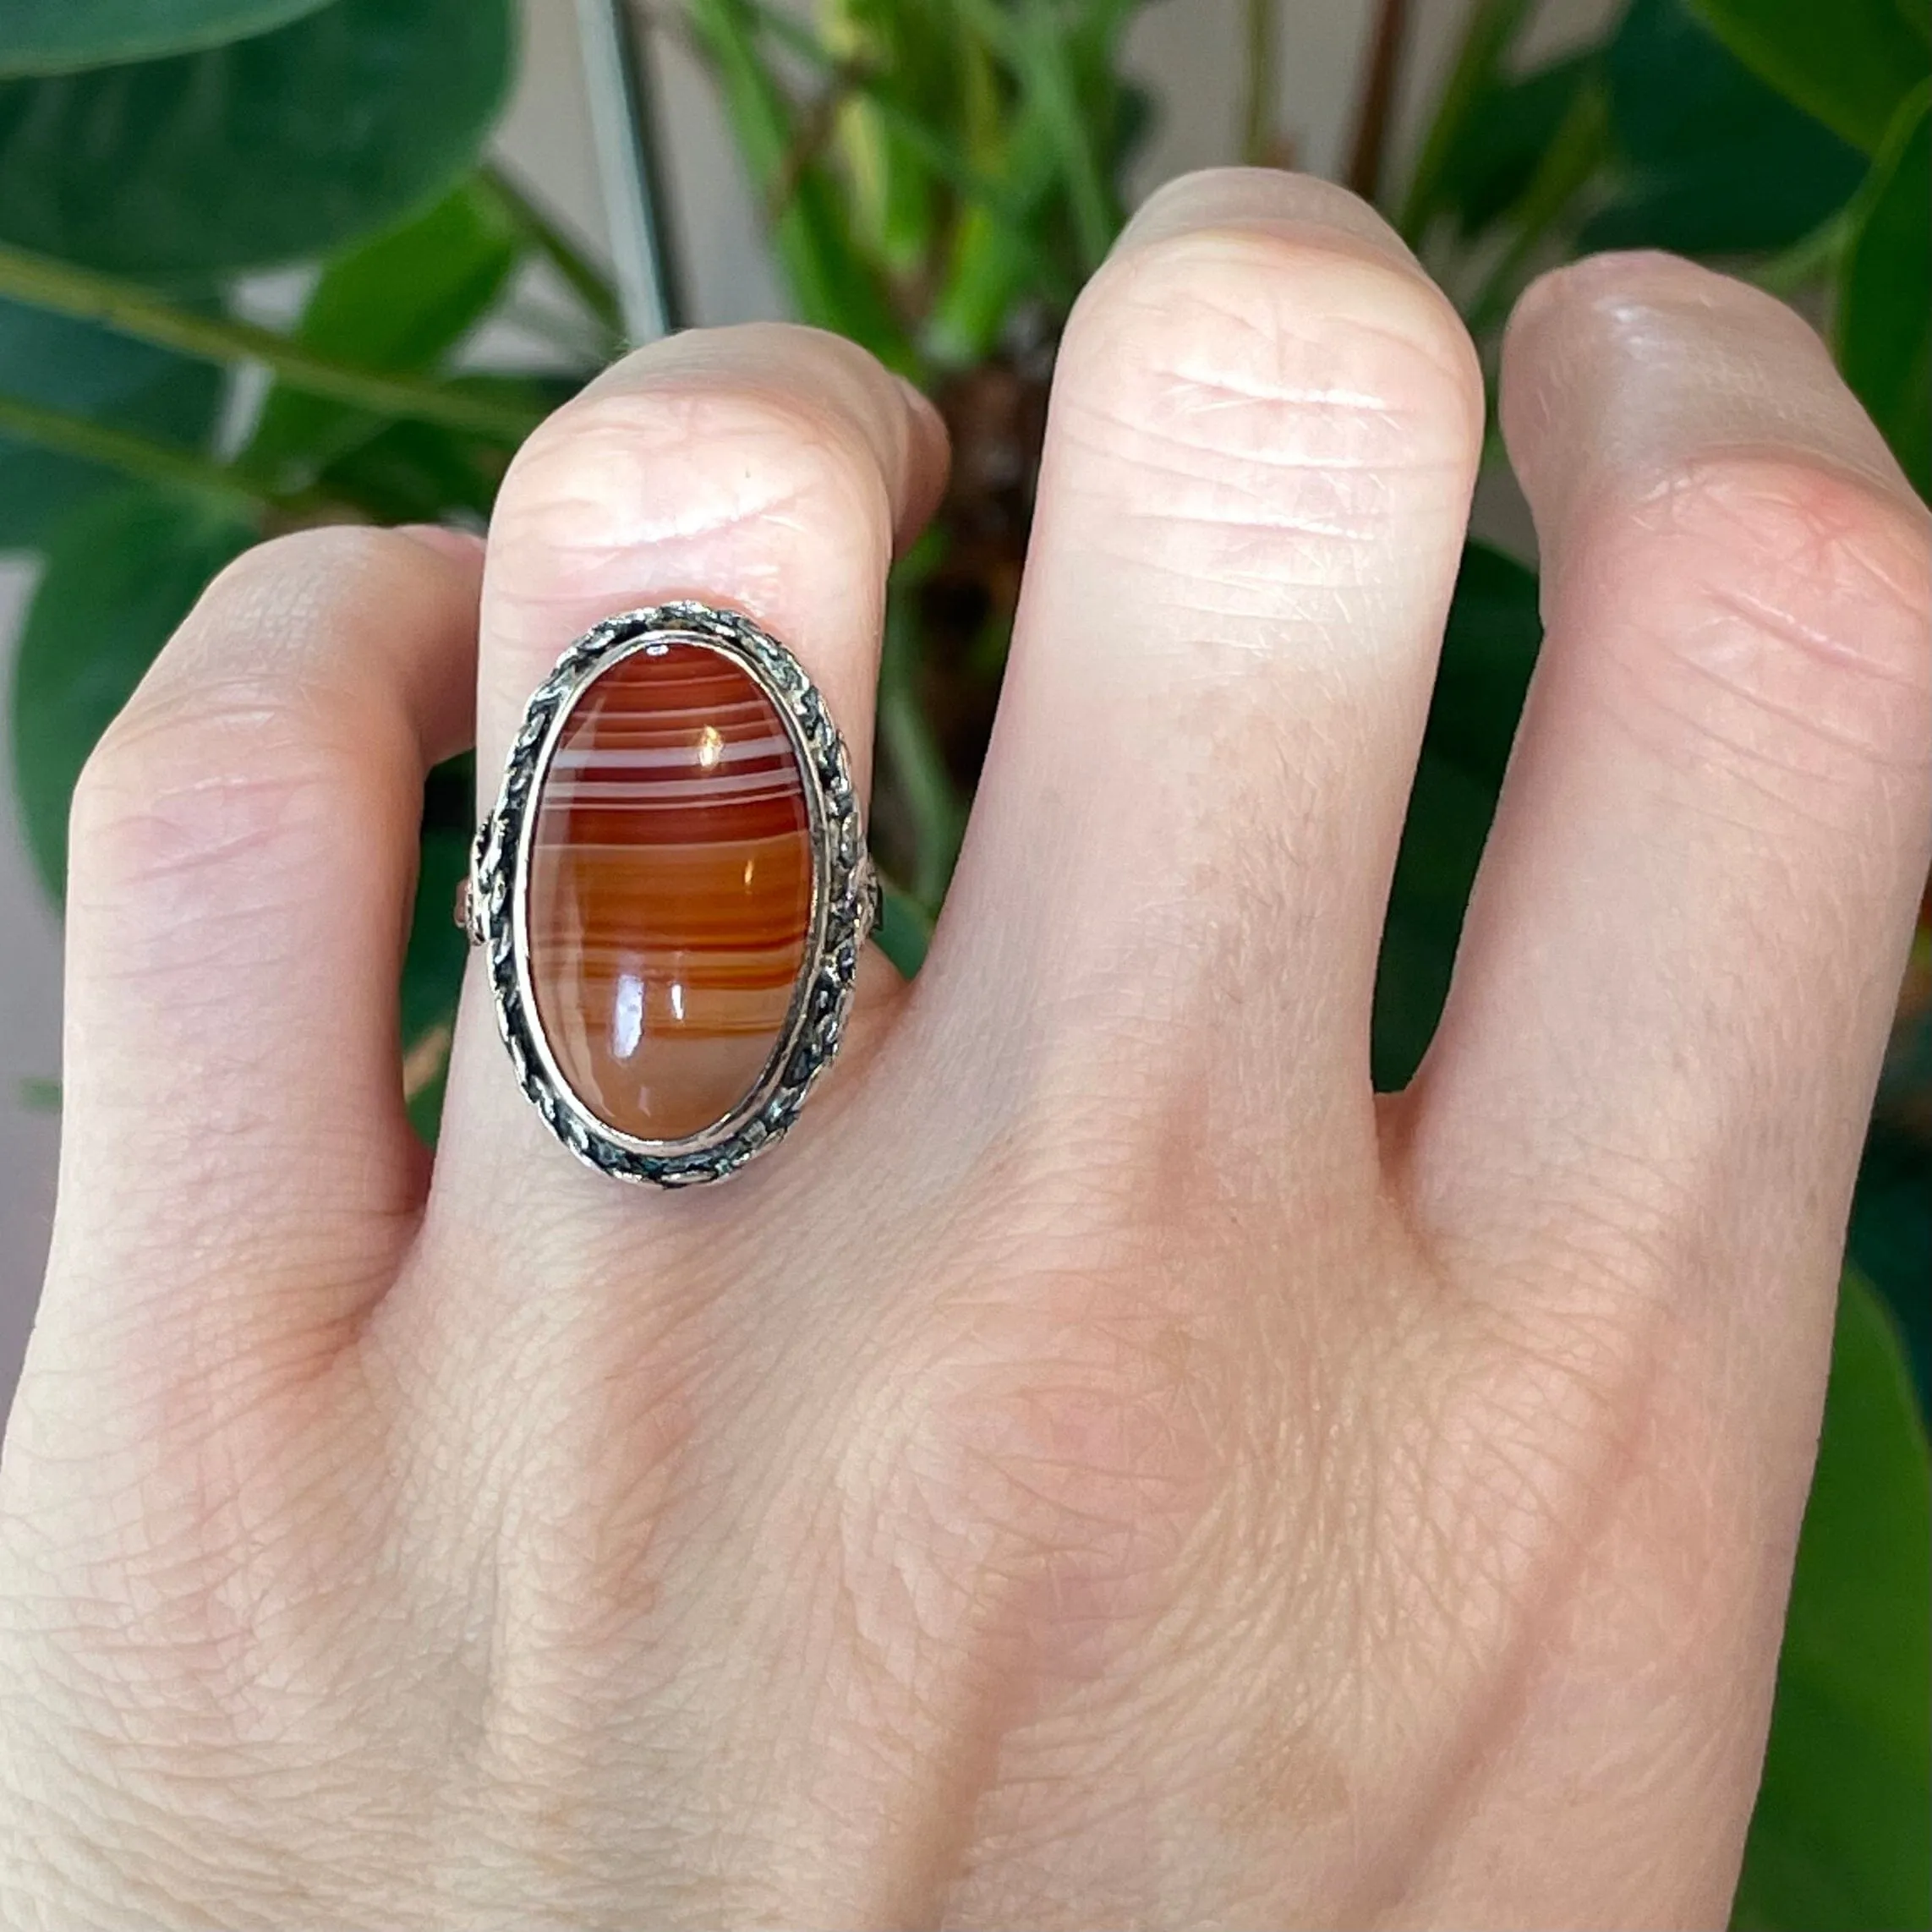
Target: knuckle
x=1546, y=1420
x=1259, y=352
x=689, y=455
x=290, y=583
x=1269, y=415
x=1615, y=294
x=1782, y=622
x=1044, y=1449
x=244, y=742
x=190, y=783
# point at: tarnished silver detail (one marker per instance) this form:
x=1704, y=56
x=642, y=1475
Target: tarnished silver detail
x=846, y=900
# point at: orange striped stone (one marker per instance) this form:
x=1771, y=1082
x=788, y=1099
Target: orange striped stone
x=670, y=891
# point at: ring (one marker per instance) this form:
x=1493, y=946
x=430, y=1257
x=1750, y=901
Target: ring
x=671, y=894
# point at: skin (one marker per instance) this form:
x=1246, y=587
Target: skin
x=1107, y=1468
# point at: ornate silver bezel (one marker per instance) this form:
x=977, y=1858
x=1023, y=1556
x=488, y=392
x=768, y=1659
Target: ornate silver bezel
x=845, y=899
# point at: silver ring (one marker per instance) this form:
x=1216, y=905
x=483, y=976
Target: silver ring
x=639, y=976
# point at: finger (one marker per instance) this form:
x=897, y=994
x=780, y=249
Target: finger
x=244, y=846
x=768, y=469
x=1264, y=426
x=1682, y=953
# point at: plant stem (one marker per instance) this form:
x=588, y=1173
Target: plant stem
x=1810, y=257
x=617, y=67
x=812, y=134
x=1045, y=69
x=1028, y=42
x=1262, y=80
x=1493, y=26
x=591, y=285
x=581, y=338
x=833, y=283
x=1571, y=158
x=133, y=456
x=132, y=310
x=1378, y=99
x=979, y=190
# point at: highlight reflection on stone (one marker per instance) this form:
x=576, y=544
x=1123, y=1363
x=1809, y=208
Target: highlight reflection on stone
x=670, y=891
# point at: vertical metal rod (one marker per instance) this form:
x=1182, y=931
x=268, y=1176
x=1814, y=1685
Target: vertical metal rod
x=615, y=78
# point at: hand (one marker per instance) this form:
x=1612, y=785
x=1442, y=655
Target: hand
x=1107, y=1469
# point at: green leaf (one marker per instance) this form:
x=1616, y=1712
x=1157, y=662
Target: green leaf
x=547, y=237
x=1839, y=1841
x=1489, y=649
x=1884, y=322
x=936, y=812
x=414, y=473
x=267, y=150
x=901, y=52
x=395, y=303
x=1496, y=152
x=433, y=964
x=433, y=967
x=1449, y=814
x=1567, y=171
x=904, y=932
x=914, y=137
x=1472, y=82
x=121, y=574
x=1032, y=39
x=53, y=36
x=832, y=283
x=992, y=265
x=1715, y=161
x=1848, y=64
x=1891, y=1235
x=90, y=372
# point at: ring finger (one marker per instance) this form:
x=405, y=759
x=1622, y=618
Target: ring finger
x=768, y=469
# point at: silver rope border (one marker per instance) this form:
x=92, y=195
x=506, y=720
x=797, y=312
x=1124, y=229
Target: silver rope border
x=844, y=901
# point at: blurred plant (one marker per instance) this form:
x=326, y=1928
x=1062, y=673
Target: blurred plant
x=938, y=177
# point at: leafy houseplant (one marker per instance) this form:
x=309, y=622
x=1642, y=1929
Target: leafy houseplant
x=939, y=176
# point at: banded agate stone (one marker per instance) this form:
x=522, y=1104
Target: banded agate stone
x=669, y=890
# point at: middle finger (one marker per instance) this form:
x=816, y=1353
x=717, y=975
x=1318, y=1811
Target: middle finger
x=1264, y=430
x=768, y=469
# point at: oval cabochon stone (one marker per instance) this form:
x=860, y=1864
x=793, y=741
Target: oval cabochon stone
x=670, y=891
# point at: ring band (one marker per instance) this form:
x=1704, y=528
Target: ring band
x=671, y=894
